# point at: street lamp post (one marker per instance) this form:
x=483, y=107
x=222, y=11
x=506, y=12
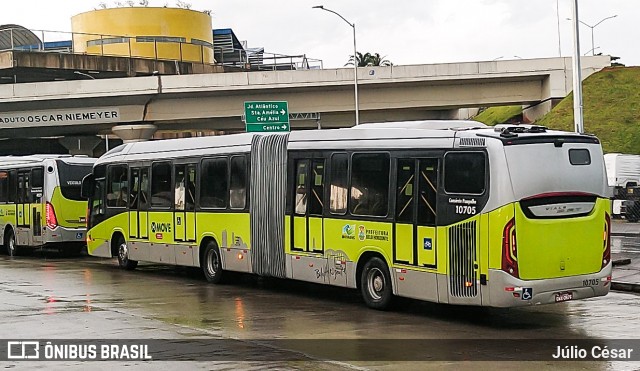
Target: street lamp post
x=593, y=46
x=577, y=73
x=355, y=63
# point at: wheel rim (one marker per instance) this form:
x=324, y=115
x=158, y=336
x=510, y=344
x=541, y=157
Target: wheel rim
x=375, y=283
x=123, y=252
x=212, y=262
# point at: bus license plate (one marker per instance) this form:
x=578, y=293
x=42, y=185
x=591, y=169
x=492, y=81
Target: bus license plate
x=563, y=296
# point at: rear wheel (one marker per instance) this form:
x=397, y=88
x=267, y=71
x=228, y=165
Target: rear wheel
x=375, y=284
x=211, y=263
x=10, y=242
x=123, y=255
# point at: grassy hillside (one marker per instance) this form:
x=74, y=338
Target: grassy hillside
x=498, y=115
x=611, y=109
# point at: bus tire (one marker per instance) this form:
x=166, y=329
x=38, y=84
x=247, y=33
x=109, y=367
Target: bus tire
x=375, y=284
x=10, y=243
x=123, y=255
x=211, y=263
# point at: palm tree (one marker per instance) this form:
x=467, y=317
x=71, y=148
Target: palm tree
x=368, y=59
x=377, y=60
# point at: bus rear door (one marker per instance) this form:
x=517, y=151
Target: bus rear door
x=138, y=206
x=184, y=219
x=24, y=211
x=415, y=227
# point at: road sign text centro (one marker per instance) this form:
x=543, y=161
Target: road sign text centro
x=266, y=116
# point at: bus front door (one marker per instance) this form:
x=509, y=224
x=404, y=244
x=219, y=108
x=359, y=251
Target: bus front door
x=415, y=227
x=138, y=215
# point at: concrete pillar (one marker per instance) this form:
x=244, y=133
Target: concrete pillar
x=80, y=145
x=536, y=112
x=134, y=133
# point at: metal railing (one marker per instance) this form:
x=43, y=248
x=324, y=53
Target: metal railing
x=63, y=42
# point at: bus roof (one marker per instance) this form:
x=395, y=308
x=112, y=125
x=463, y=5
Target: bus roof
x=14, y=161
x=384, y=133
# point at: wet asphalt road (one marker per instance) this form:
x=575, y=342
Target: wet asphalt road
x=46, y=296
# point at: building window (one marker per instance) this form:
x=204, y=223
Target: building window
x=160, y=39
x=107, y=41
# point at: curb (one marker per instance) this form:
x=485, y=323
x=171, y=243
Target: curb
x=624, y=286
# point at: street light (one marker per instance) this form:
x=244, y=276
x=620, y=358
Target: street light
x=355, y=63
x=593, y=47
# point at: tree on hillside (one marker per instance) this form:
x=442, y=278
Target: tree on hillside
x=368, y=59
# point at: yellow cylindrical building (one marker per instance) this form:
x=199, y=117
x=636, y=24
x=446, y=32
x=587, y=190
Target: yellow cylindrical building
x=144, y=32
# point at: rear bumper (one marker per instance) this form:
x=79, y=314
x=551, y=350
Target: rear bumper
x=545, y=291
x=62, y=234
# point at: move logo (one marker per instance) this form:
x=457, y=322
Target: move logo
x=160, y=227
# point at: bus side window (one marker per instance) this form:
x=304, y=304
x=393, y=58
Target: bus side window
x=405, y=190
x=37, y=184
x=13, y=186
x=135, y=188
x=97, y=206
x=316, y=198
x=180, y=188
x=37, y=177
x=117, y=182
x=144, y=202
x=214, y=183
x=238, y=183
x=161, y=185
x=4, y=186
x=464, y=172
x=339, y=179
x=190, y=196
x=369, y=184
x=428, y=186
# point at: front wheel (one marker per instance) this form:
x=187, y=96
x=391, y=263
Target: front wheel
x=123, y=256
x=10, y=243
x=375, y=284
x=211, y=263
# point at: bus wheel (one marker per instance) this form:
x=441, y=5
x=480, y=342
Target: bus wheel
x=375, y=284
x=10, y=243
x=212, y=264
x=123, y=256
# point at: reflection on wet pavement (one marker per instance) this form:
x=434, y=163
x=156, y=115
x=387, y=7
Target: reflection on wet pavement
x=90, y=298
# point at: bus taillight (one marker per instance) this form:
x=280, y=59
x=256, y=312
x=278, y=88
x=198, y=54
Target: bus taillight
x=52, y=221
x=606, y=251
x=509, y=249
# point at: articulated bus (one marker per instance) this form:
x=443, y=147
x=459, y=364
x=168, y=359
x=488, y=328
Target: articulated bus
x=40, y=202
x=443, y=211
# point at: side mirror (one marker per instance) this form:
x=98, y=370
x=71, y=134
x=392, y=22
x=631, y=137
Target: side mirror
x=88, y=183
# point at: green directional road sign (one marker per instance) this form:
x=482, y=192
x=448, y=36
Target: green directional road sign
x=266, y=116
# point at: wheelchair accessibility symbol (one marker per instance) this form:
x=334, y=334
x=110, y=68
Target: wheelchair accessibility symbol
x=527, y=293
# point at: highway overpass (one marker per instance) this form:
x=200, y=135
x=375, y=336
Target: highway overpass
x=215, y=101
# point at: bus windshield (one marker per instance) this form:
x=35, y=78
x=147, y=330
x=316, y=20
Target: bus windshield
x=70, y=176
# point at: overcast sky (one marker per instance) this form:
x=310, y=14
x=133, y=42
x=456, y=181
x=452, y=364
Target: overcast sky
x=406, y=32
